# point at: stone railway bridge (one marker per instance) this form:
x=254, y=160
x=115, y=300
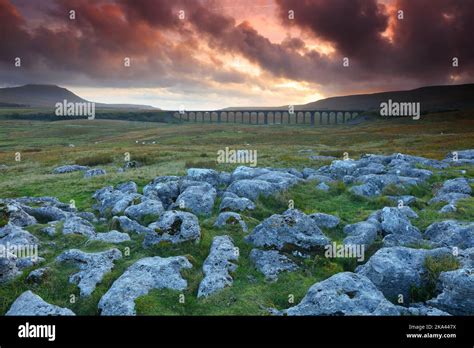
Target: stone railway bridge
x=269, y=117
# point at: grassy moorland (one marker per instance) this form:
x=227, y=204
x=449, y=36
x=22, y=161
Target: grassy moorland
x=167, y=149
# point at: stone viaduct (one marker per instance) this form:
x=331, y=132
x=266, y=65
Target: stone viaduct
x=269, y=117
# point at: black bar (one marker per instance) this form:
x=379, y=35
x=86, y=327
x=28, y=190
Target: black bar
x=258, y=330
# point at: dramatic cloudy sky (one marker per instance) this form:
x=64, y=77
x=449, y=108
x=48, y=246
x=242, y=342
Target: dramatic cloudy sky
x=234, y=52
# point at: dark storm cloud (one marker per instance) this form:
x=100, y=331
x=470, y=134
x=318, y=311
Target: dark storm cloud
x=384, y=52
x=422, y=44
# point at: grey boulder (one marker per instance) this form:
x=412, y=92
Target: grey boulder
x=127, y=187
x=30, y=304
x=218, y=265
x=344, y=294
x=452, y=191
x=230, y=218
x=17, y=216
x=325, y=220
x=322, y=187
x=127, y=225
x=94, y=172
x=197, y=199
x=205, y=175
x=148, y=209
x=292, y=228
x=164, y=188
x=271, y=263
x=92, y=267
x=47, y=213
x=8, y=266
x=243, y=172
x=232, y=202
x=36, y=276
x=144, y=275
x=251, y=189
x=114, y=237
x=69, y=169
x=457, y=292
x=360, y=233
x=395, y=270
x=368, y=189
x=77, y=225
x=451, y=233
x=175, y=227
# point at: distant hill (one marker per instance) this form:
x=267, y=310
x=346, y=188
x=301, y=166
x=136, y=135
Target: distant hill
x=431, y=99
x=46, y=96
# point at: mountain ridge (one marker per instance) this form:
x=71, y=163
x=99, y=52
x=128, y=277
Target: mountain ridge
x=46, y=96
x=431, y=98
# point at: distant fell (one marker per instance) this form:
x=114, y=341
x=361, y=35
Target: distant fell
x=431, y=99
x=46, y=96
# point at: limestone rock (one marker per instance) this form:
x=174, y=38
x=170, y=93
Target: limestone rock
x=291, y=228
x=144, y=275
x=271, y=263
x=344, y=294
x=92, y=267
x=217, y=266
x=30, y=304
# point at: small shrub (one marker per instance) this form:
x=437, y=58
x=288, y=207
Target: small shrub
x=144, y=159
x=31, y=150
x=200, y=164
x=393, y=190
x=434, y=266
x=3, y=217
x=95, y=160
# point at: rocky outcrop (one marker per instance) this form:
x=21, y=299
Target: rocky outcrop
x=459, y=158
x=451, y=233
x=113, y=202
x=395, y=270
x=17, y=216
x=114, y=237
x=325, y=220
x=198, y=199
x=457, y=292
x=94, y=172
x=8, y=266
x=175, y=227
x=209, y=176
x=452, y=191
x=92, y=267
x=163, y=188
x=420, y=309
x=218, y=265
x=69, y=169
x=292, y=228
x=77, y=225
x=344, y=294
x=271, y=263
x=127, y=187
x=230, y=218
x=47, y=213
x=124, y=224
x=251, y=189
x=360, y=233
x=323, y=187
x=30, y=304
x=144, y=275
x=18, y=250
x=38, y=275
x=232, y=202
x=146, y=211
